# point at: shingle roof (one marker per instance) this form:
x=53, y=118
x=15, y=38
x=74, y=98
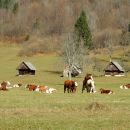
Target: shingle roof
x=118, y=65
x=29, y=65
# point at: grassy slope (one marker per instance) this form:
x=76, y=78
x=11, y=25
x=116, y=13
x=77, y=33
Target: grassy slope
x=24, y=110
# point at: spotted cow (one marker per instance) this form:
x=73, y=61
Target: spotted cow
x=105, y=91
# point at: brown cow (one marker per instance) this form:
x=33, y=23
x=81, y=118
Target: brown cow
x=127, y=86
x=85, y=85
x=105, y=91
x=4, y=85
x=31, y=87
x=70, y=85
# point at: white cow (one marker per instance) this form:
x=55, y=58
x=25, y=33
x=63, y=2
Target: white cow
x=51, y=90
x=17, y=85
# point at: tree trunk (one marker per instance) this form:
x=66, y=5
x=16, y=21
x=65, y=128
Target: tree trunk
x=70, y=68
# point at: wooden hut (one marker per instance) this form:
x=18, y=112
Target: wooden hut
x=114, y=69
x=76, y=70
x=26, y=68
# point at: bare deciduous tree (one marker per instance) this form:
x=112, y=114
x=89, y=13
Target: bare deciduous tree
x=74, y=52
x=108, y=44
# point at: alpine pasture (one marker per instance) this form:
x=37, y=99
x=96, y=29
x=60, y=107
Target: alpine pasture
x=21, y=109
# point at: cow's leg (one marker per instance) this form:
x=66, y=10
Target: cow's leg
x=71, y=89
x=88, y=88
x=93, y=89
x=64, y=89
x=83, y=88
x=74, y=90
x=68, y=90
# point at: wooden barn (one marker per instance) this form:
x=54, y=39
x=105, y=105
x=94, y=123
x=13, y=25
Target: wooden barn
x=26, y=68
x=114, y=69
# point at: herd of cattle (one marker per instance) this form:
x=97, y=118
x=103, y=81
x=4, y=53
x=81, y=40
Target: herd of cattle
x=69, y=85
x=89, y=85
x=5, y=85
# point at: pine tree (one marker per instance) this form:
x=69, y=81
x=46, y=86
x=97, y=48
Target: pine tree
x=15, y=8
x=83, y=31
x=5, y=4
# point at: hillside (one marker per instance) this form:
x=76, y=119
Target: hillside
x=21, y=20
x=41, y=27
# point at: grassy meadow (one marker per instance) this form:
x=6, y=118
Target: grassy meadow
x=24, y=110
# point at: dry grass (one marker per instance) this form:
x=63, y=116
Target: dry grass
x=41, y=46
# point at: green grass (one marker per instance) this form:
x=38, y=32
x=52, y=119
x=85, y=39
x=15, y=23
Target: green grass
x=24, y=110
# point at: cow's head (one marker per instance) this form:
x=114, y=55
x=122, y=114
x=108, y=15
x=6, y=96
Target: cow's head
x=27, y=86
x=8, y=83
x=101, y=89
x=76, y=84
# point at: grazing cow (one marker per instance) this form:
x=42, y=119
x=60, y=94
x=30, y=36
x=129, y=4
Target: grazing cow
x=4, y=85
x=31, y=87
x=88, y=84
x=127, y=86
x=105, y=91
x=70, y=85
x=17, y=85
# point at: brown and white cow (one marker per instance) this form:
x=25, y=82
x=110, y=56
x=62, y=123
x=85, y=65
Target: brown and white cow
x=70, y=85
x=31, y=87
x=45, y=89
x=41, y=88
x=5, y=85
x=127, y=86
x=89, y=84
x=105, y=91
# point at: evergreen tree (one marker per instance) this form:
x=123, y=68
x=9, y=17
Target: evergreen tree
x=1, y=3
x=15, y=8
x=5, y=4
x=83, y=31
